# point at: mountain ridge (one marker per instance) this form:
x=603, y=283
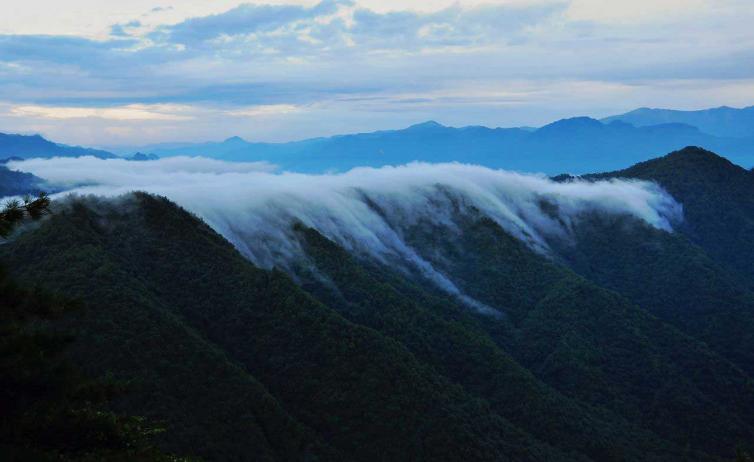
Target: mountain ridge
x=29, y=146
x=579, y=145
x=720, y=121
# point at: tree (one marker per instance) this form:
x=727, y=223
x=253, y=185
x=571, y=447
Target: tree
x=15, y=211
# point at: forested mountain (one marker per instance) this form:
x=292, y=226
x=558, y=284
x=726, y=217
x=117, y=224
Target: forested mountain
x=718, y=202
x=577, y=145
x=582, y=333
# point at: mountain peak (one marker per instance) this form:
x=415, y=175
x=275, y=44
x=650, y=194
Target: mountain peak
x=235, y=139
x=426, y=125
x=697, y=154
x=573, y=123
x=703, y=163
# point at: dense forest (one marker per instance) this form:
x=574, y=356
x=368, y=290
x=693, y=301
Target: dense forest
x=133, y=331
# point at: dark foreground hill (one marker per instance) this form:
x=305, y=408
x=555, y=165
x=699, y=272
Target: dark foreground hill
x=624, y=343
x=718, y=201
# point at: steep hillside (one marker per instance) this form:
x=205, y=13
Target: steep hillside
x=590, y=343
x=717, y=198
x=454, y=341
x=670, y=277
x=176, y=308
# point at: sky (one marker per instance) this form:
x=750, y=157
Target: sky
x=114, y=73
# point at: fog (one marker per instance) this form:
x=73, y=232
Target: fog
x=366, y=210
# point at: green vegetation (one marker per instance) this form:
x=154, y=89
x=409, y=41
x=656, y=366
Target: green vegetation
x=700, y=278
x=625, y=343
x=455, y=342
x=593, y=345
x=165, y=295
x=51, y=411
x=718, y=203
x=16, y=211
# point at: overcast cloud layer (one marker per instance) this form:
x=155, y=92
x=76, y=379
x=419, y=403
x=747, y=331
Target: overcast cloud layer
x=366, y=210
x=102, y=72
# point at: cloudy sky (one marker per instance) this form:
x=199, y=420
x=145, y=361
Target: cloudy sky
x=107, y=72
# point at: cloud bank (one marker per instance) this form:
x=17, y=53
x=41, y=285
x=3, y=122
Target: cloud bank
x=367, y=211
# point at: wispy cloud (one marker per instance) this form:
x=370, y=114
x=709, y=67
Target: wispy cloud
x=128, y=112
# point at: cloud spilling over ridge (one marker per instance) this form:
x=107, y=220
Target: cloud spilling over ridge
x=366, y=210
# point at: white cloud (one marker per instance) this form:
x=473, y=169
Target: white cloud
x=622, y=12
x=366, y=210
x=141, y=112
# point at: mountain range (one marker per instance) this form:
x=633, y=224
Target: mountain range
x=721, y=121
x=28, y=146
x=577, y=145
x=574, y=332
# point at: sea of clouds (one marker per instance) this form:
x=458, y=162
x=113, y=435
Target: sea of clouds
x=365, y=210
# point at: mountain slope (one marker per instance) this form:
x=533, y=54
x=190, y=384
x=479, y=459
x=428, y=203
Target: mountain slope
x=590, y=343
x=699, y=278
x=360, y=392
x=717, y=197
x=213, y=408
x=670, y=277
x=451, y=339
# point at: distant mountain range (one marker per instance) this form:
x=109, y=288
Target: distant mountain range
x=722, y=121
x=26, y=147
x=576, y=145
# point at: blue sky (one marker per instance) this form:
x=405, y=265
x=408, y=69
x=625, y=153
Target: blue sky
x=109, y=73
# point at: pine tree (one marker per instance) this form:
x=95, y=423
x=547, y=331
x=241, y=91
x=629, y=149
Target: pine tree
x=16, y=211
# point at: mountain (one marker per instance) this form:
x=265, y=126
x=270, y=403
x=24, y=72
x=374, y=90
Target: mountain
x=27, y=147
x=553, y=330
x=203, y=352
x=718, y=200
x=577, y=145
x=722, y=121
x=698, y=279
x=140, y=156
x=13, y=183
